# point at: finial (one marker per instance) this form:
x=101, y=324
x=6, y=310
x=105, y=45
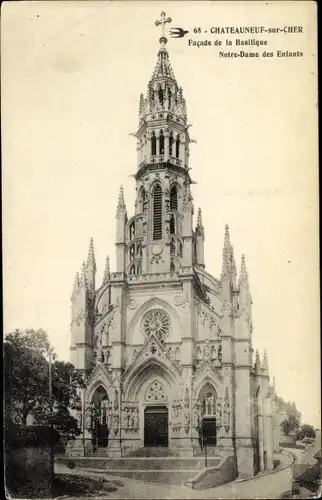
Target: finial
x=162, y=22
x=91, y=255
x=199, y=218
x=121, y=208
x=107, y=270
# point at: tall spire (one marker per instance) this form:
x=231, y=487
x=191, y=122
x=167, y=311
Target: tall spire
x=91, y=263
x=232, y=260
x=106, y=276
x=121, y=208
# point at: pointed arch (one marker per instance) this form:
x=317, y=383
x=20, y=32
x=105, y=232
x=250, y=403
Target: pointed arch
x=157, y=212
x=174, y=197
x=153, y=144
x=171, y=140
x=153, y=303
x=178, y=146
x=207, y=376
x=138, y=380
x=161, y=143
x=99, y=378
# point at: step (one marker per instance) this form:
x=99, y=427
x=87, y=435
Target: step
x=142, y=463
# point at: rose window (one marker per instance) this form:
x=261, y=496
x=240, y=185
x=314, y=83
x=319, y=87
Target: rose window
x=157, y=322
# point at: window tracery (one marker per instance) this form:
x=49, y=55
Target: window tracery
x=156, y=321
x=155, y=392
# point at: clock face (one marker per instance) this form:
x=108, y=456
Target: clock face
x=156, y=249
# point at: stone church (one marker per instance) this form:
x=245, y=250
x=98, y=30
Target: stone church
x=165, y=347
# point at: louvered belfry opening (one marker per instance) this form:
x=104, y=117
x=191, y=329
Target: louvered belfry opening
x=157, y=213
x=173, y=198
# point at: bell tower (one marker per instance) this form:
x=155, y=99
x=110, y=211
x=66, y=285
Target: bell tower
x=160, y=235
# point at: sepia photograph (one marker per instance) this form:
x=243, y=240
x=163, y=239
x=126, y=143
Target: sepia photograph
x=160, y=249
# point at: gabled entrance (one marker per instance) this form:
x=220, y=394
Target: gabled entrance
x=156, y=426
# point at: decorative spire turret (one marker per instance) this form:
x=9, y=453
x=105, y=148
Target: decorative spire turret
x=199, y=226
x=257, y=363
x=121, y=208
x=107, y=270
x=226, y=254
x=243, y=276
x=265, y=363
x=76, y=285
x=83, y=279
x=91, y=263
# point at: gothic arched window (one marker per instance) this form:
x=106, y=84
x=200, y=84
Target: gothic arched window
x=132, y=252
x=132, y=231
x=138, y=268
x=153, y=144
x=174, y=198
x=178, y=147
x=172, y=246
x=160, y=95
x=157, y=213
x=161, y=143
x=132, y=269
x=169, y=98
x=172, y=224
x=139, y=249
x=179, y=248
x=170, y=143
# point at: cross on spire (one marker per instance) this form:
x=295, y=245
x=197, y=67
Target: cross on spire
x=162, y=22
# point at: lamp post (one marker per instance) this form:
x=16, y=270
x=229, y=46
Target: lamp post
x=50, y=382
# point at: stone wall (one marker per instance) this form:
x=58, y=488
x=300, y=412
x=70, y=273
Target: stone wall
x=29, y=464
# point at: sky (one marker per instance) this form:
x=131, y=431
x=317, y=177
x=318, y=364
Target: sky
x=72, y=73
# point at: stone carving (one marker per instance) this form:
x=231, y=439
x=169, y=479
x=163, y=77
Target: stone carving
x=186, y=402
x=219, y=412
x=226, y=413
x=79, y=418
x=116, y=400
x=115, y=423
x=132, y=304
x=177, y=356
x=155, y=392
x=176, y=409
x=207, y=352
x=89, y=415
x=156, y=321
x=177, y=300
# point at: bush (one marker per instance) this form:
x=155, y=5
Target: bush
x=276, y=463
x=71, y=464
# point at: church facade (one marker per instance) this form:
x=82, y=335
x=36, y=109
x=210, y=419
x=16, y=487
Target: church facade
x=165, y=347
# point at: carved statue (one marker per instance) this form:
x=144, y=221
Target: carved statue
x=136, y=419
x=109, y=418
x=115, y=423
x=207, y=352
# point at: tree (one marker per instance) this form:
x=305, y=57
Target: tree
x=27, y=383
x=306, y=430
x=290, y=425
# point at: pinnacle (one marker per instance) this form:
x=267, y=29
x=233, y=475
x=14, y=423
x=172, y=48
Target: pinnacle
x=107, y=270
x=121, y=208
x=243, y=276
x=91, y=255
x=84, y=275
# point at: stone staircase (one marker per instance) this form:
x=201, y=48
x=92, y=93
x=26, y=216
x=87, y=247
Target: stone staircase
x=146, y=464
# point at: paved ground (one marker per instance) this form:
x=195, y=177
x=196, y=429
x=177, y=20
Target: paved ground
x=268, y=486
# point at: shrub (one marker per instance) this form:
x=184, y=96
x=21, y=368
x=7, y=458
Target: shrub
x=71, y=464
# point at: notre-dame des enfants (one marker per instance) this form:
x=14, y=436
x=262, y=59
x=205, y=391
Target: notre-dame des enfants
x=165, y=347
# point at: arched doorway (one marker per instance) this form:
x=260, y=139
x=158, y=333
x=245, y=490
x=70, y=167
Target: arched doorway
x=100, y=418
x=207, y=400
x=156, y=426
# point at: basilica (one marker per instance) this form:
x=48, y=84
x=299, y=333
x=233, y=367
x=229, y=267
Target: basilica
x=165, y=347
